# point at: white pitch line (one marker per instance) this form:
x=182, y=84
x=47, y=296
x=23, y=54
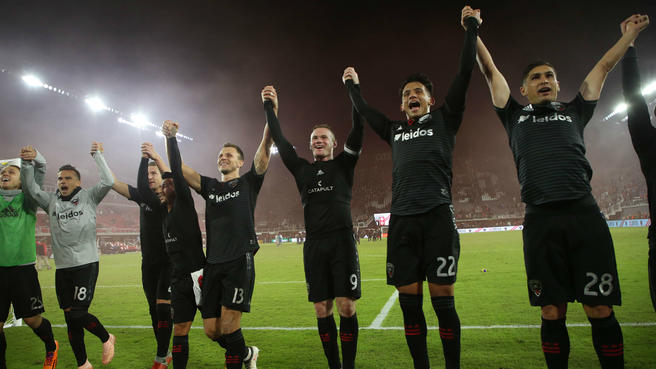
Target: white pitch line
x=477, y=327
x=272, y=282
x=378, y=322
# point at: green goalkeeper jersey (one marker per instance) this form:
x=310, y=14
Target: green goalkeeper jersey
x=17, y=241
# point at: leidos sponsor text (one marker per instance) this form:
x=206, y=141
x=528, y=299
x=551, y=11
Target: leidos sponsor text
x=548, y=118
x=413, y=134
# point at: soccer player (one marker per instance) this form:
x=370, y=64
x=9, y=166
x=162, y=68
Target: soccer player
x=330, y=257
x=643, y=137
x=182, y=236
x=229, y=275
x=19, y=283
x=568, y=250
x=72, y=214
x=155, y=263
x=423, y=241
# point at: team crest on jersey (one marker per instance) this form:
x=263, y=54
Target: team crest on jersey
x=535, y=286
x=233, y=183
x=390, y=270
x=75, y=201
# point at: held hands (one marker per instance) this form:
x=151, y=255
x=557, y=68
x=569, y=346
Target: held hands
x=170, y=128
x=467, y=12
x=349, y=73
x=96, y=147
x=634, y=24
x=269, y=93
x=148, y=151
x=28, y=153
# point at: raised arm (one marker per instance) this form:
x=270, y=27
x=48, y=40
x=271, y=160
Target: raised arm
x=100, y=190
x=30, y=153
x=353, y=143
x=285, y=149
x=182, y=193
x=170, y=129
x=121, y=188
x=455, y=97
x=377, y=120
x=148, y=149
x=496, y=82
x=263, y=153
x=29, y=185
x=643, y=134
x=594, y=82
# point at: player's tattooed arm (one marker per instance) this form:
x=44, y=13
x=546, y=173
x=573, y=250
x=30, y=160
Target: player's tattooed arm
x=170, y=129
x=28, y=181
x=263, y=153
x=287, y=153
x=100, y=190
x=377, y=120
x=594, y=82
x=496, y=82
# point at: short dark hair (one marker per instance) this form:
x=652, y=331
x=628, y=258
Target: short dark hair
x=323, y=125
x=153, y=164
x=241, y=153
x=534, y=64
x=70, y=167
x=417, y=77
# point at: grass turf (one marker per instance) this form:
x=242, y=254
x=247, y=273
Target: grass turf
x=483, y=299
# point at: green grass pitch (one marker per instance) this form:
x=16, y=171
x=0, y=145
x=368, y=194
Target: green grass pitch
x=497, y=297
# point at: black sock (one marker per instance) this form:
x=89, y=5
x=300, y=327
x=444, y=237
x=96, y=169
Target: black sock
x=3, y=350
x=180, y=351
x=328, y=336
x=414, y=323
x=222, y=342
x=348, y=335
x=445, y=309
x=164, y=329
x=93, y=325
x=76, y=337
x=44, y=331
x=152, y=310
x=555, y=343
x=236, y=350
x=608, y=341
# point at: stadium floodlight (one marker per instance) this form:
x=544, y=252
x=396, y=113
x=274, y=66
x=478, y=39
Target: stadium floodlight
x=620, y=108
x=32, y=81
x=95, y=103
x=649, y=88
x=274, y=149
x=139, y=120
x=159, y=133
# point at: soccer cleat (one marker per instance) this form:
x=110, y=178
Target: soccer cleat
x=158, y=365
x=51, y=358
x=252, y=362
x=86, y=365
x=108, y=349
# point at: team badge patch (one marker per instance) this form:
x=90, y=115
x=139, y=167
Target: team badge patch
x=234, y=183
x=390, y=270
x=75, y=201
x=535, y=286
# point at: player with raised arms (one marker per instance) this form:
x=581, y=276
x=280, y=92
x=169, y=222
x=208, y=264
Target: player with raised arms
x=155, y=263
x=229, y=273
x=72, y=214
x=423, y=241
x=643, y=137
x=568, y=250
x=330, y=256
x=19, y=282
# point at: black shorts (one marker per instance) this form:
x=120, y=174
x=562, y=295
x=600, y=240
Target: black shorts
x=19, y=286
x=156, y=281
x=423, y=247
x=228, y=284
x=332, y=268
x=569, y=255
x=183, y=301
x=75, y=286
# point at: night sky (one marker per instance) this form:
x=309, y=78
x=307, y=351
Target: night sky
x=203, y=64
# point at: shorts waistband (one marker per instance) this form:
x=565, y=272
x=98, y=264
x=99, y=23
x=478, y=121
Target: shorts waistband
x=583, y=204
